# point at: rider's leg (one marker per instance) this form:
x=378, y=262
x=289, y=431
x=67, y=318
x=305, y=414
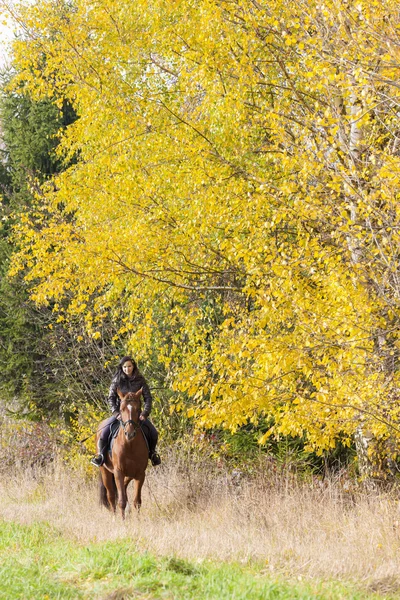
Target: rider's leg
x=102, y=443
x=153, y=438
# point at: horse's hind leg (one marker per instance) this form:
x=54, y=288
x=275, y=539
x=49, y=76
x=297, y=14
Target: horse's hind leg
x=103, y=493
x=137, y=492
x=109, y=483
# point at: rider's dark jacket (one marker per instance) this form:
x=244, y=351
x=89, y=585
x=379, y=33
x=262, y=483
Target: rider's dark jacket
x=130, y=384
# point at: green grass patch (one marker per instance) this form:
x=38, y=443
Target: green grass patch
x=37, y=562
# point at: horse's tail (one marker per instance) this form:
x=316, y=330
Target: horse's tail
x=103, y=492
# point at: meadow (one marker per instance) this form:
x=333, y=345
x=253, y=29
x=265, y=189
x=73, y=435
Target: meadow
x=203, y=532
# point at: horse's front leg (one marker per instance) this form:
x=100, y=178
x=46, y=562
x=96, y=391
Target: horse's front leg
x=137, y=492
x=127, y=481
x=119, y=480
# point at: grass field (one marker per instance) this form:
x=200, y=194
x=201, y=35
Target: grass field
x=38, y=562
x=201, y=535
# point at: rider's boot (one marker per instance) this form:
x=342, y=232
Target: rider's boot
x=154, y=457
x=99, y=459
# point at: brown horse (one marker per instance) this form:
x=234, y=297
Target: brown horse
x=129, y=457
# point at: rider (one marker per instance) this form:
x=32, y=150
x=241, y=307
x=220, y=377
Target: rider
x=128, y=378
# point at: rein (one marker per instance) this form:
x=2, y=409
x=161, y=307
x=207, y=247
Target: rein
x=91, y=435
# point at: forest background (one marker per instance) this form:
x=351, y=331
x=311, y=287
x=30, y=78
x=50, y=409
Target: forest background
x=213, y=188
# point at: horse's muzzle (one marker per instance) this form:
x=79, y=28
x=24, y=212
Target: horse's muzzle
x=130, y=434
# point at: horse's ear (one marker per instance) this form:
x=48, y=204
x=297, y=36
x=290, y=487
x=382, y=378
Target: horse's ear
x=138, y=393
x=121, y=397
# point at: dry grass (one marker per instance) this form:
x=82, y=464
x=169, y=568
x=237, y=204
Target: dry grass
x=302, y=530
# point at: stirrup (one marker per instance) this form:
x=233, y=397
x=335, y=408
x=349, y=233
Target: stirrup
x=155, y=459
x=97, y=460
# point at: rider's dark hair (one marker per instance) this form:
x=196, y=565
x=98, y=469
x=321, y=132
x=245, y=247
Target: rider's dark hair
x=120, y=375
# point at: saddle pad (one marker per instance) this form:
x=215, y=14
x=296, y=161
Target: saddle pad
x=113, y=434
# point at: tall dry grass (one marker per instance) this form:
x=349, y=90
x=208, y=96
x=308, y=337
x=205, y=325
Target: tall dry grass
x=195, y=511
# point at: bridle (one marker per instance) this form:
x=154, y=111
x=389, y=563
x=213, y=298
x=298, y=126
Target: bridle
x=133, y=396
x=129, y=422
x=124, y=425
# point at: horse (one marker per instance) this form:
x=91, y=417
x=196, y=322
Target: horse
x=129, y=457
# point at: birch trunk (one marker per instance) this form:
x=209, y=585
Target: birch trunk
x=365, y=442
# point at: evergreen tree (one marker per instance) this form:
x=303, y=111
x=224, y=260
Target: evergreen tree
x=29, y=136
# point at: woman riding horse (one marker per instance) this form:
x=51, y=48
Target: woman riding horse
x=127, y=379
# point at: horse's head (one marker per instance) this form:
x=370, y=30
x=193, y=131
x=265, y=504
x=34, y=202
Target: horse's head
x=130, y=408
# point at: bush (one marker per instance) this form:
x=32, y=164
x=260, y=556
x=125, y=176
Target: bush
x=26, y=443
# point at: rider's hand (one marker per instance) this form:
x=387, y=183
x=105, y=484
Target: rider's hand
x=142, y=417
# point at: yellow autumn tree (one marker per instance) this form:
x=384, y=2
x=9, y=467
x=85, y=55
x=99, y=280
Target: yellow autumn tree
x=233, y=201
